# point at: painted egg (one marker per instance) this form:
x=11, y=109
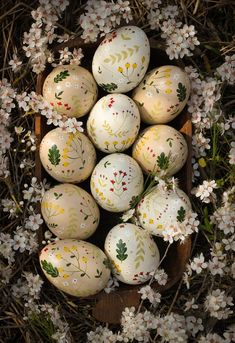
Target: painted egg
x=114, y=123
x=66, y=156
x=70, y=212
x=163, y=94
x=132, y=252
x=121, y=60
x=75, y=267
x=162, y=208
x=115, y=181
x=160, y=147
x=71, y=90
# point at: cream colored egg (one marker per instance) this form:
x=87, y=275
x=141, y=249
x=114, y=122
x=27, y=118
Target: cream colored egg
x=71, y=90
x=162, y=208
x=75, y=267
x=113, y=123
x=67, y=157
x=163, y=94
x=115, y=181
x=70, y=212
x=160, y=147
x=121, y=60
x=133, y=253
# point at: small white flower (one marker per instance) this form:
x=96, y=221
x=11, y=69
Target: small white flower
x=127, y=215
x=15, y=63
x=198, y=264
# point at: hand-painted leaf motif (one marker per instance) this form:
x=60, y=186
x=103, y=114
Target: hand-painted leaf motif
x=121, y=250
x=58, y=95
x=125, y=37
x=181, y=214
x=54, y=155
x=108, y=87
x=48, y=267
x=163, y=161
x=181, y=92
x=61, y=76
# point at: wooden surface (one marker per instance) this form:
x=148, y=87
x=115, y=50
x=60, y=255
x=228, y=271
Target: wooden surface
x=108, y=307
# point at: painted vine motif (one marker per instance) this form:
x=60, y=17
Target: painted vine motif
x=140, y=252
x=181, y=92
x=74, y=150
x=108, y=87
x=61, y=76
x=119, y=183
x=73, y=261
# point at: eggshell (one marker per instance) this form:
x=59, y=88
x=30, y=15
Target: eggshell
x=76, y=267
x=163, y=94
x=115, y=181
x=67, y=157
x=71, y=90
x=70, y=212
x=121, y=60
x=158, y=143
x=132, y=252
x=160, y=208
x=114, y=123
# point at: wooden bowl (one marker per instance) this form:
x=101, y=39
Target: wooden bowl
x=108, y=307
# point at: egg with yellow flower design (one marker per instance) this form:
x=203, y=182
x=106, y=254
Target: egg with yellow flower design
x=70, y=212
x=163, y=208
x=162, y=94
x=75, y=267
x=114, y=123
x=121, y=60
x=67, y=156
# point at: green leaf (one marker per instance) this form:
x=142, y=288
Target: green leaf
x=57, y=196
x=57, y=95
x=54, y=155
x=121, y=250
x=163, y=161
x=61, y=76
x=181, y=214
x=48, y=267
x=181, y=92
x=107, y=263
x=108, y=87
x=98, y=274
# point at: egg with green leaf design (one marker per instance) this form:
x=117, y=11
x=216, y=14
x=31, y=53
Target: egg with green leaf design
x=162, y=94
x=133, y=253
x=71, y=90
x=75, y=267
x=160, y=149
x=70, y=212
x=67, y=156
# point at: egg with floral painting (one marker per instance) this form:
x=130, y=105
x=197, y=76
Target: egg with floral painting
x=121, y=60
x=113, y=123
x=115, y=181
x=71, y=90
x=132, y=252
x=67, y=156
x=162, y=94
x=75, y=267
x=160, y=148
x=163, y=208
x=70, y=212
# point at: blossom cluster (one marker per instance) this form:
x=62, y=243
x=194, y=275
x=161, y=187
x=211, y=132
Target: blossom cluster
x=101, y=17
x=180, y=39
x=42, y=33
x=29, y=288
